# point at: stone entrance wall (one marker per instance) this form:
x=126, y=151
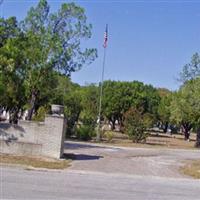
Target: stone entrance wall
x=34, y=138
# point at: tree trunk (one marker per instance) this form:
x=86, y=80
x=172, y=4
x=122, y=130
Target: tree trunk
x=197, y=144
x=186, y=130
x=121, y=124
x=14, y=116
x=32, y=103
x=166, y=127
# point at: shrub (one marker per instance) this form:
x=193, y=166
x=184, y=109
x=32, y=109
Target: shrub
x=135, y=125
x=109, y=135
x=40, y=114
x=85, y=132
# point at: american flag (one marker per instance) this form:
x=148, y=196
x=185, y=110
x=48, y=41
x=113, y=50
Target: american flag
x=105, y=37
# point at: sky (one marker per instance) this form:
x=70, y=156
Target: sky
x=148, y=41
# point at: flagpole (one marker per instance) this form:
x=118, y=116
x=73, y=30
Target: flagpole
x=98, y=138
x=100, y=97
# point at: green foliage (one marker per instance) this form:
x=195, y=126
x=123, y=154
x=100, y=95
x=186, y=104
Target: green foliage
x=63, y=88
x=59, y=36
x=164, y=107
x=8, y=29
x=185, y=106
x=12, y=68
x=68, y=94
x=191, y=70
x=32, y=51
x=40, y=114
x=89, y=104
x=85, y=132
x=191, y=92
x=119, y=97
x=109, y=135
x=72, y=111
x=55, y=40
x=135, y=125
x=88, y=114
x=163, y=92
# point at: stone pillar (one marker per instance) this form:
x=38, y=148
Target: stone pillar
x=53, y=135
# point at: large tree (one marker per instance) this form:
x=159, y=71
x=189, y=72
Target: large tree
x=182, y=110
x=55, y=45
x=185, y=106
x=194, y=86
x=190, y=79
x=12, y=67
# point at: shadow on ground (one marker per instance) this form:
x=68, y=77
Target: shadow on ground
x=69, y=145
x=160, y=136
x=81, y=156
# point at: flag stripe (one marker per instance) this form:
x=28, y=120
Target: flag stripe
x=105, y=37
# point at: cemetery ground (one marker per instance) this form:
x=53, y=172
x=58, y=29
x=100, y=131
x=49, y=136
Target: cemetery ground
x=106, y=171
x=156, y=140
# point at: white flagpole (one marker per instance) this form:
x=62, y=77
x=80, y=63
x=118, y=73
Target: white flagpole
x=101, y=92
x=100, y=98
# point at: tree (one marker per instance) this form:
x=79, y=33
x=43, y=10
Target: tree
x=185, y=108
x=8, y=29
x=12, y=68
x=135, y=125
x=150, y=101
x=89, y=103
x=55, y=45
x=164, y=107
x=191, y=70
x=43, y=44
x=73, y=107
x=67, y=94
x=190, y=78
x=119, y=97
x=193, y=87
x=112, y=101
x=181, y=111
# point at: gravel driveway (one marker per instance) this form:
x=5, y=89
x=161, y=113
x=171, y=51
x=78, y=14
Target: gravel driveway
x=134, y=161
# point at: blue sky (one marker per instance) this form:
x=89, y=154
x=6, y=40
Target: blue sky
x=149, y=41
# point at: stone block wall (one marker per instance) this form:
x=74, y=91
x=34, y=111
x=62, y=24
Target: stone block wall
x=34, y=138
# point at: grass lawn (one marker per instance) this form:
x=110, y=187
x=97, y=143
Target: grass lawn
x=154, y=140
x=34, y=162
x=192, y=169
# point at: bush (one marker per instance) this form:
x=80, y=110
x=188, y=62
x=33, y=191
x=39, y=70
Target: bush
x=135, y=125
x=109, y=135
x=40, y=114
x=85, y=132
